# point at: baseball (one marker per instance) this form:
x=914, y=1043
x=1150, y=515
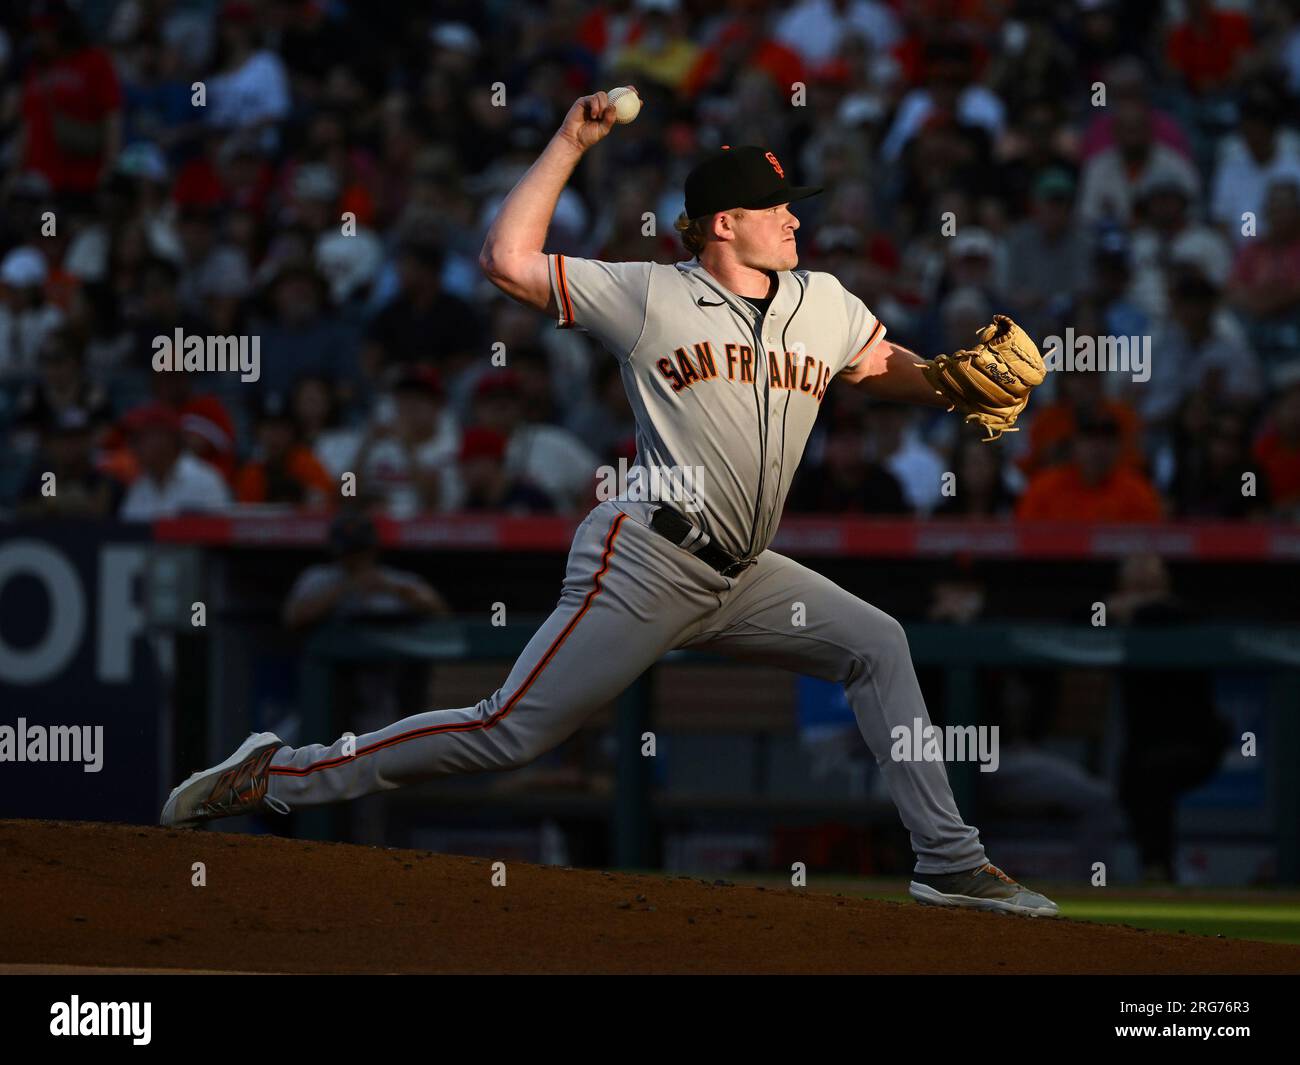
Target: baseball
x=627, y=103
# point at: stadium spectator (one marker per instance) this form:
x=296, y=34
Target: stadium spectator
x=423, y=323
x=1112, y=177
x=315, y=41
x=950, y=89
x=515, y=328
x=847, y=480
x=976, y=259
x=245, y=185
x=62, y=481
x=27, y=317
x=1208, y=46
x=1265, y=281
x=1167, y=236
x=604, y=422
x=407, y=455
x=548, y=456
x=350, y=265
x=1047, y=257
x=318, y=419
x=1094, y=485
x=206, y=259
x=663, y=52
x=226, y=220
x=742, y=45
x=355, y=586
x=963, y=312
x=1033, y=61
x=1081, y=395
x=136, y=193
x=1106, y=307
x=621, y=238
x=894, y=440
x=1197, y=347
x=1107, y=30
x=813, y=28
x=1288, y=40
x=282, y=469
x=1262, y=151
x=1277, y=450
x=537, y=384
x=157, y=109
x=487, y=483
x=1126, y=79
x=1215, y=477
x=71, y=103
x=157, y=310
x=171, y=481
x=62, y=385
x=250, y=91
x=207, y=429
x=1038, y=140
x=982, y=487
x=947, y=172
x=302, y=336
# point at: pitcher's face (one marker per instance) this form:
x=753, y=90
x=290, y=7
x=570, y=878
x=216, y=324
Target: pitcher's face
x=765, y=238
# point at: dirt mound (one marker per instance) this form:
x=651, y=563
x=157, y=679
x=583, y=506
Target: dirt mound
x=86, y=894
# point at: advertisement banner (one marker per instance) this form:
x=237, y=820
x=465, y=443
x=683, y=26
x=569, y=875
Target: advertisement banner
x=80, y=691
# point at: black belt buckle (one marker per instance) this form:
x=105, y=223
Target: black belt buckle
x=737, y=568
x=675, y=528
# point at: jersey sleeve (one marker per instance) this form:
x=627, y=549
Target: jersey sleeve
x=608, y=300
x=865, y=331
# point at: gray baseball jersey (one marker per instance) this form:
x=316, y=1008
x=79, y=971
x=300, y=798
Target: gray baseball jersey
x=712, y=386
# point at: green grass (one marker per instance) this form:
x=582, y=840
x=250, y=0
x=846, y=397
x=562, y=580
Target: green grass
x=1270, y=916
x=1233, y=918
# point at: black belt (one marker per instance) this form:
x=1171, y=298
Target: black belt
x=677, y=530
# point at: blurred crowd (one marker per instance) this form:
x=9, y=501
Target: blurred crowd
x=320, y=174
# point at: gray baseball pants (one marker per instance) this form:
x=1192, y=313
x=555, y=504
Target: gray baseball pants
x=628, y=597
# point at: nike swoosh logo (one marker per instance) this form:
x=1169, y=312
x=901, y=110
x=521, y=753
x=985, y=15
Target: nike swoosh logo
x=702, y=302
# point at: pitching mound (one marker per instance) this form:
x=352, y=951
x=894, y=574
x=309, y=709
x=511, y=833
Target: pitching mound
x=121, y=896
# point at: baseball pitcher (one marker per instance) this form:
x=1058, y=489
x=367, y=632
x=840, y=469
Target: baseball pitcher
x=726, y=360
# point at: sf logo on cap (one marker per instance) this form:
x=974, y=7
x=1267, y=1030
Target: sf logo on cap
x=775, y=165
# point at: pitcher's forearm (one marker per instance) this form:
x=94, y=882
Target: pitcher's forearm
x=891, y=372
x=521, y=224
x=512, y=255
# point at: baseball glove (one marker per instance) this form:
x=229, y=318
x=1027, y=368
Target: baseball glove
x=990, y=383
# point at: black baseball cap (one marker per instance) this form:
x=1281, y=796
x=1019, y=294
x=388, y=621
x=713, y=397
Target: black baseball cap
x=745, y=176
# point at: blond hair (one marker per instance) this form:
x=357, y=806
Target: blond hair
x=695, y=231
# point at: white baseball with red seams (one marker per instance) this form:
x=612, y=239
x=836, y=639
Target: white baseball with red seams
x=627, y=103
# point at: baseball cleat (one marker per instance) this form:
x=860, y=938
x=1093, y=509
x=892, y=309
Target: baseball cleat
x=985, y=888
x=236, y=786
